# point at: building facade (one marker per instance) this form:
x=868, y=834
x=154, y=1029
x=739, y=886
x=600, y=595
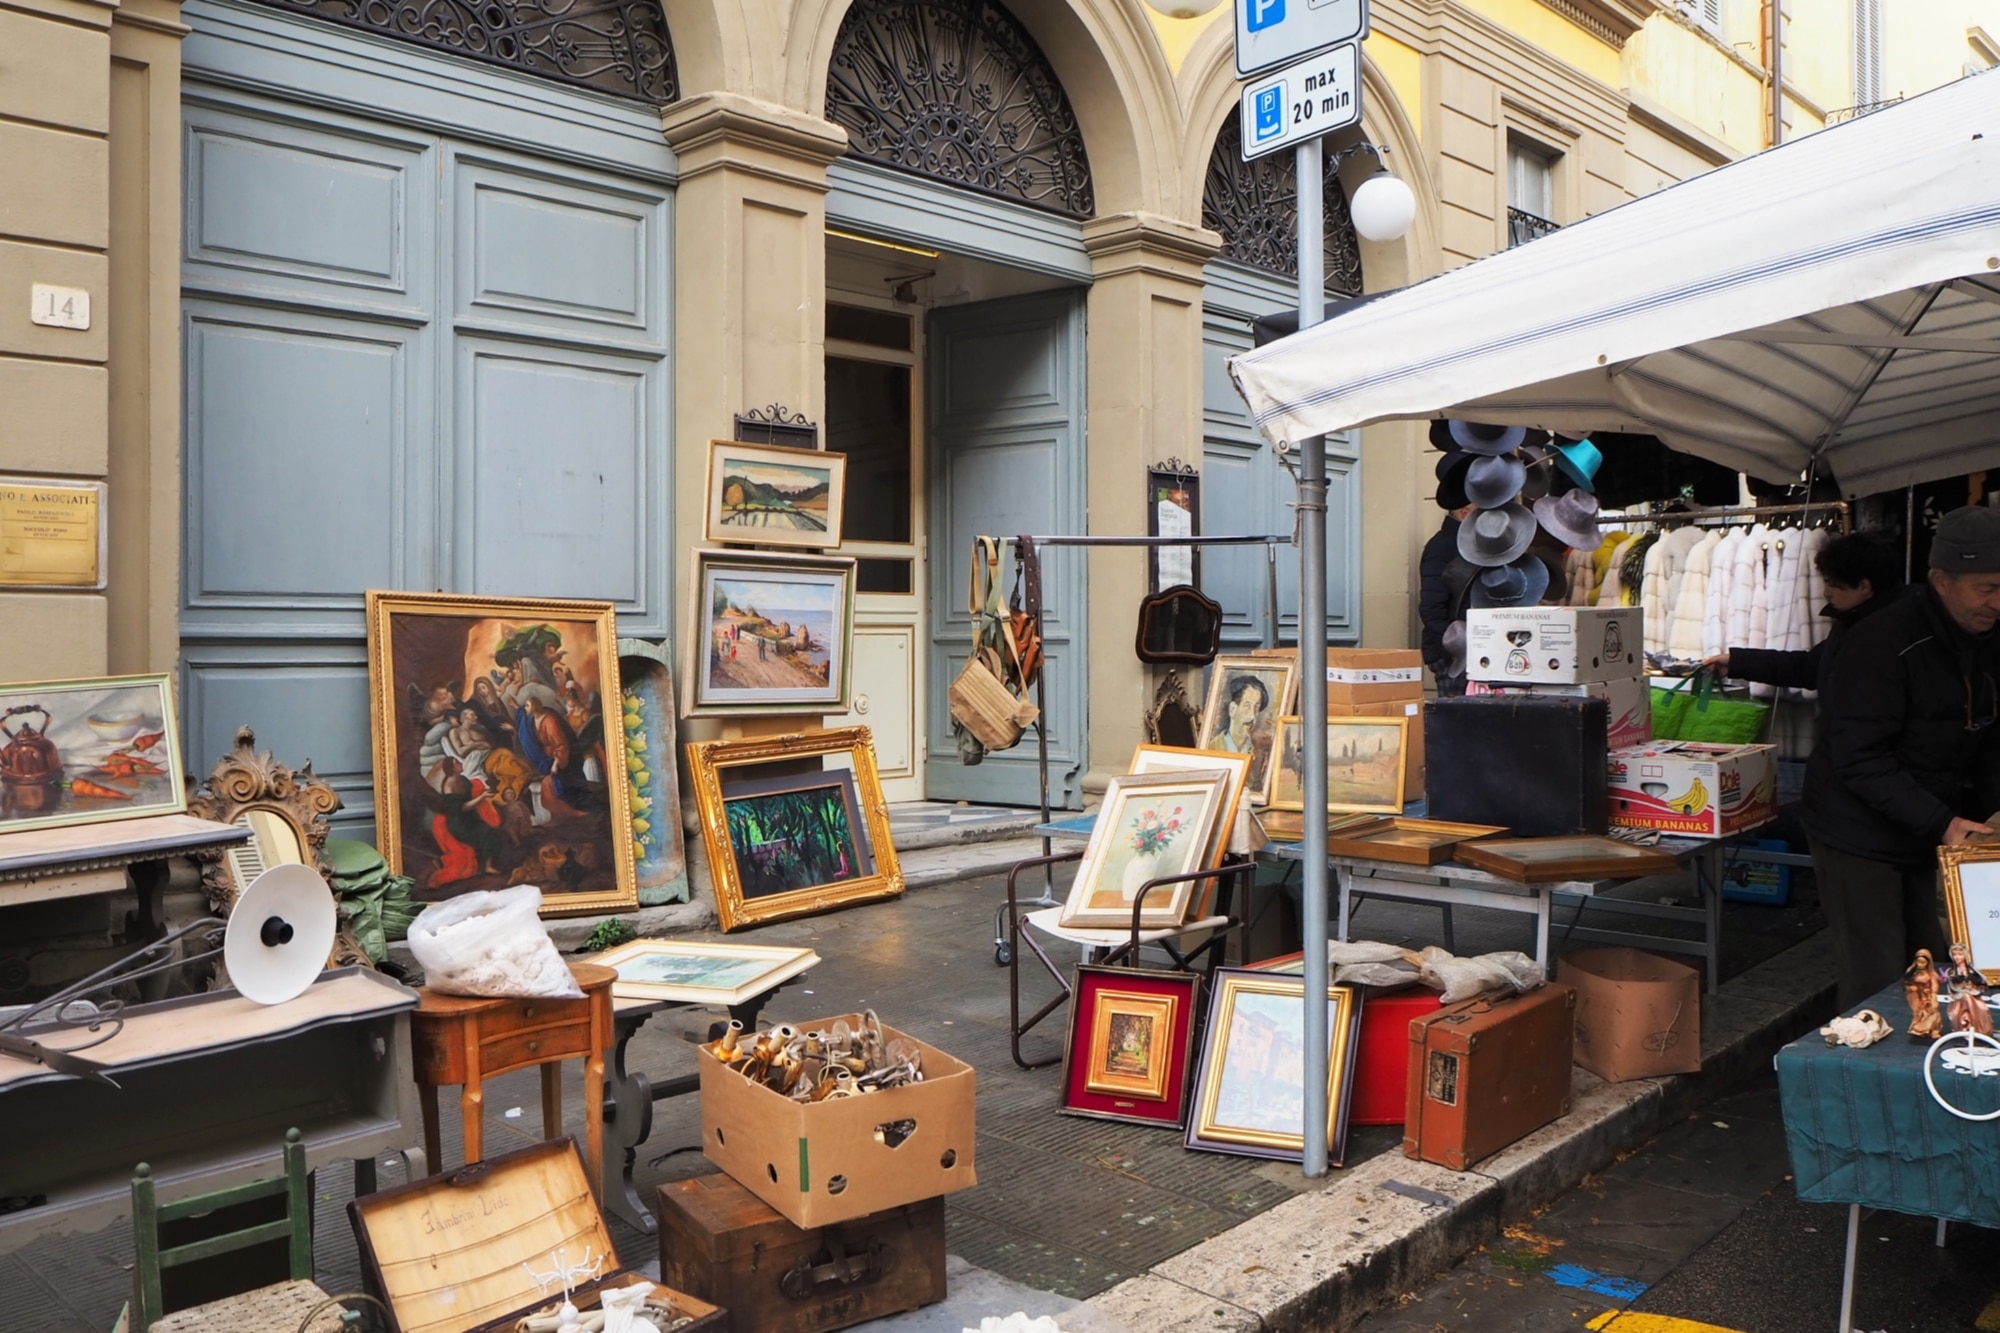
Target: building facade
x=428, y=295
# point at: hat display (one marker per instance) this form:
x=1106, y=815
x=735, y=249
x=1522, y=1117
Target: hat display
x=1540, y=465
x=1492, y=482
x=1451, y=459
x=1454, y=648
x=1523, y=582
x=1451, y=479
x=1571, y=518
x=1967, y=541
x=1475, y=438
x=1441, y=435
x=1580, y=459
x=1496, y=536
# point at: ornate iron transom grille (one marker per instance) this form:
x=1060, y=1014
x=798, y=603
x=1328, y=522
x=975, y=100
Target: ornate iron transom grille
x=1255, y=205
x=958, y=90
x=614, y=46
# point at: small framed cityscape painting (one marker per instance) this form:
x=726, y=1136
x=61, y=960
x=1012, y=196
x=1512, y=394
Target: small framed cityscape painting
x=1250, y=1093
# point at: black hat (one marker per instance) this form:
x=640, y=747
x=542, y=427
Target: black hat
x=1451, y=470
x=1441, y=435
x=1967, y=541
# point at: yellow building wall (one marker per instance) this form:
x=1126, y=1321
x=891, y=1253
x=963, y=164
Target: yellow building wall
x=1689, y=74
x=1926, y=43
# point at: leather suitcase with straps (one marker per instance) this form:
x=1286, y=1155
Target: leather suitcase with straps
x=1487, y=1071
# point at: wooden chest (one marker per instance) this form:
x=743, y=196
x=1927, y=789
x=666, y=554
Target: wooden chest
x=723, y=1244
x=454, y=1253
x=1485, y=1072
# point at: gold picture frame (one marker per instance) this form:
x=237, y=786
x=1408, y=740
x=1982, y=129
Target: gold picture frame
x=1373, y=782
x=751, y=645
x=1243, y=1103
x=488, y=720
x=88, y=752
x=1978, y=923
x=1139, y=836
x=1131, y=1058
x=768, y=498
x=1226, y=723
x=1150, y=758
x=853, y=827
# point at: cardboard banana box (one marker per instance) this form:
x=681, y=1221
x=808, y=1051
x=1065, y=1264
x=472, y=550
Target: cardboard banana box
x=1693, y=789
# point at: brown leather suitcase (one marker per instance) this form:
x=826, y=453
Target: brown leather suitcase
x=1485, y=1072
x=717, y=1236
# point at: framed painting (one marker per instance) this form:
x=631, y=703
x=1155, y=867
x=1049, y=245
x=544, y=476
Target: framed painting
x=1414, y=842
x=659, y=850
x=494, y=763
x=782, y=843
x=774, y=496
x=1364, y=765
x=1131, y=1039
x=700, y=972
x=1250, y=1094
x=1246, y=697
x=1148, y=758
x=1559, y=860
x=1971, y=874
x=87, y=751
x=771, y=634
x=1150, y=826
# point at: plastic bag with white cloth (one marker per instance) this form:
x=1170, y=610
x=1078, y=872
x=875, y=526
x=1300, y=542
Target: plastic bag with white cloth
x=491, y=942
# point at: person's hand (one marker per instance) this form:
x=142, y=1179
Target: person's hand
x=1961, y=830
x=1719, y=662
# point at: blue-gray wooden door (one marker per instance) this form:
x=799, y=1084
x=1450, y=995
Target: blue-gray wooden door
x=415, y=359
x=1006, y=428
x=1245, y=489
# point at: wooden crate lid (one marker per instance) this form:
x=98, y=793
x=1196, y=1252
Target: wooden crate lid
x=447, y=1252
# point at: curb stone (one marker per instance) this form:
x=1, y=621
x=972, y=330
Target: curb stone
x=1325, y=1258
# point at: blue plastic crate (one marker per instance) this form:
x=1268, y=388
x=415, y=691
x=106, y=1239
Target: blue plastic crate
x=1757, y=881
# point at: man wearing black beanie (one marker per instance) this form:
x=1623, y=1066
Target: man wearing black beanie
x=1911, y=717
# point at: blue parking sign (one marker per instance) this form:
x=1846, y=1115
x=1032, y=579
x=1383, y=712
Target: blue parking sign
x=1263, y=13
x=1270, y=111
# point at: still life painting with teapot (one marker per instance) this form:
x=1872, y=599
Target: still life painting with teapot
x=85, y=751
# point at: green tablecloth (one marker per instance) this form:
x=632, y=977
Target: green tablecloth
x=1863, y=1129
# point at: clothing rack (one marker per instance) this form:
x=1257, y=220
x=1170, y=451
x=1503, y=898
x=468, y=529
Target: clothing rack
x=1842, y=509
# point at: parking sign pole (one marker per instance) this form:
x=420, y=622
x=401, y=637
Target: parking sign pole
x=1312, y=669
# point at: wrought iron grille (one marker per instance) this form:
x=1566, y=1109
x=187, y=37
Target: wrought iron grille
x=1523, y=226
x=957, y=90
x=614, y=46
x=1255, y=205
x=1864, y=109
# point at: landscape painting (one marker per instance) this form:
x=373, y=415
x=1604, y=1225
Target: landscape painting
x=700, y=971
x=774, y=497
x=1131, y=1044
x=86, y=751
x=494, y=765
x=772, y=633
x=1364, y=765
x=794, y=833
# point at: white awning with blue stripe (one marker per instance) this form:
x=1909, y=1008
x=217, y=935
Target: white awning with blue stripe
x=1833, y=303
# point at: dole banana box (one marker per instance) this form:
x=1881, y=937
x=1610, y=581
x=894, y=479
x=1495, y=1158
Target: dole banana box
x=1694, y=790
x=1554, y=645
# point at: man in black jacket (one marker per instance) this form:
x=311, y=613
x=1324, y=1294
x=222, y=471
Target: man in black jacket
x=1910, y=725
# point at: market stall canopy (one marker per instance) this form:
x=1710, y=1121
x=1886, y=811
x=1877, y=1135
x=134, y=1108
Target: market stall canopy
x=1834, y=302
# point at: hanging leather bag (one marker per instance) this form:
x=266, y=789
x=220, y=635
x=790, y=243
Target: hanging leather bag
x=989, y=698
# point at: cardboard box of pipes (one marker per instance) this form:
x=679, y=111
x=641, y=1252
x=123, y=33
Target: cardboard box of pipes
x=864, y=1138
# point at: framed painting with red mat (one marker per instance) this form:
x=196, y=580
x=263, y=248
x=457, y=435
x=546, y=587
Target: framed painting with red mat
x=1131, y=1041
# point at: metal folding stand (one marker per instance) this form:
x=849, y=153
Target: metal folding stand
x=1204, y=954
x=1029, y=565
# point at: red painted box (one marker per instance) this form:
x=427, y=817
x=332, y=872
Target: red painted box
x=1382, y=1073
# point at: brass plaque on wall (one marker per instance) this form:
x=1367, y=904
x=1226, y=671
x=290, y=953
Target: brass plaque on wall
x=51, y=533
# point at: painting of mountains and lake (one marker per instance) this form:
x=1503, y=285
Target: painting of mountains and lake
x=774, y=496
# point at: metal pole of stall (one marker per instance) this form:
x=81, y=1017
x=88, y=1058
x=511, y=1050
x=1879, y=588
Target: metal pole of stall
x=1312, y=672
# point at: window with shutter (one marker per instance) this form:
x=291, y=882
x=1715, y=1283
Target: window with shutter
x=1867, y=53
x=1705, y=13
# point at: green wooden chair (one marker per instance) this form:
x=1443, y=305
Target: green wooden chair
x=284, y=1306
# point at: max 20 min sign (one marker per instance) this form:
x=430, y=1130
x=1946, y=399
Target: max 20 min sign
x=1316, y=96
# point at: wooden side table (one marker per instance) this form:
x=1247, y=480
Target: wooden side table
x=464, y=1040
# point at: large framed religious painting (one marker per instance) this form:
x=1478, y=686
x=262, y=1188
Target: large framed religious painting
x=496, y=762
x=770, y=633
x=86, y=751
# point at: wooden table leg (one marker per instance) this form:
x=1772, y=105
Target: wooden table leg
x=552, y=1126
x=427, y=1099
x=472, y=1115
x=593, y=1119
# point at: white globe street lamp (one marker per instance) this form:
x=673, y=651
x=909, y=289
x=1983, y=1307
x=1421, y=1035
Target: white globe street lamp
x=1383, y=207
x=1182, y=9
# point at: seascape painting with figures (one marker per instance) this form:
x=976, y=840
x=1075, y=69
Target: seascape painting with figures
x=493, y=730
x=79, y=752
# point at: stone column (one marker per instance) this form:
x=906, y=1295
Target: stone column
x=750, y=289
x=1144, y=400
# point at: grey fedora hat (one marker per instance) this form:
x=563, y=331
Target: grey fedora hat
x=1454, y=648
x=1524, y=582
x=1496, y=536
x=1492, y=482
x=1475, y=438
x=1540, y=466
x=1571, y=518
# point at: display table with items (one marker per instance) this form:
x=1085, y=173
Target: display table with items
x=1865, y=1130
x=46, y=864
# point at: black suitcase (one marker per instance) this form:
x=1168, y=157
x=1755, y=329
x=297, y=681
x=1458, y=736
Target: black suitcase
x=1530, y=763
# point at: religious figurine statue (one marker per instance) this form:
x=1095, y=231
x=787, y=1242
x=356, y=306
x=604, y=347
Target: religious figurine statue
x=1965, y=1009
x=1920, y=988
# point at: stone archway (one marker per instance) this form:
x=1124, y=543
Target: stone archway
x=1253, y=206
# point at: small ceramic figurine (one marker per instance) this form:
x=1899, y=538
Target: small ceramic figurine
x=1920, y=988
x=1965, y=1010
